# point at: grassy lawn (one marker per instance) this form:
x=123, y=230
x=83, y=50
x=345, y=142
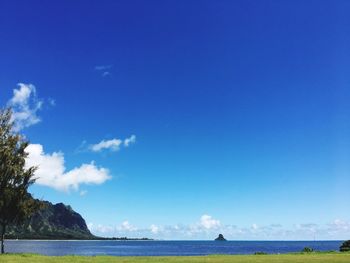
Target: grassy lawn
x=298, y=258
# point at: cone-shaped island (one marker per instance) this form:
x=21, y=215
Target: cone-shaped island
x=220, y=238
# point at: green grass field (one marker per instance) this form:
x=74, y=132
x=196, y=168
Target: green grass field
x=286, y=258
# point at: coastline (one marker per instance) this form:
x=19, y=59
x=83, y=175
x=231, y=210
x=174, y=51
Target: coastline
x=74, y=239
x=174, y=240
x=79, y=240
x=323, y=257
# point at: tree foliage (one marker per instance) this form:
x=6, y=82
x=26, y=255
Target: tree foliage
x=15, y=202
x=307, y=250
x=345, y=247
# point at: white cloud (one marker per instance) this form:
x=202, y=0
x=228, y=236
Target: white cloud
x=51, y=170
x=124, y=229
x=126, y=226
x=208, y=222
x=338, y=226
x=113, y=144
x=100, y=229
x=21, y=95
x=154, y=229
x=25, y=105
x=130, y=140
x=255, y=226
x=83, y=192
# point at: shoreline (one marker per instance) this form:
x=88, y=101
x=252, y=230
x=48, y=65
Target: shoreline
x=172, y=240
x=335, y=257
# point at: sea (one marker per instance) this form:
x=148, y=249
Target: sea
x=162, y=248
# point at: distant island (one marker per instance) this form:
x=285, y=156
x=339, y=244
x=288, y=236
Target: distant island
x=220, y=238
x=56, y=222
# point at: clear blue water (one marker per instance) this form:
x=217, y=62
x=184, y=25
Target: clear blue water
x=163, y=248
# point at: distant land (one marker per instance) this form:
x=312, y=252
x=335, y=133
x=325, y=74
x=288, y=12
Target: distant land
x=59, y=222
x=220, y=238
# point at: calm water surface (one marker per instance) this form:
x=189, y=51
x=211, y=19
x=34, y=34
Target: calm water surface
x=163, y=248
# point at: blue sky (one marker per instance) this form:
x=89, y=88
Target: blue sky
x=183, y=119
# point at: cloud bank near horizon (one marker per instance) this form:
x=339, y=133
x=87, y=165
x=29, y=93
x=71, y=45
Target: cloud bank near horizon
x=208, y=228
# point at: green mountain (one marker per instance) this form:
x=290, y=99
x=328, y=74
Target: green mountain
x=52, y=222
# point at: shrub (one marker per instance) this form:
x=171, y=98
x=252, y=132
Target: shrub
x=345, y=246
x=307, y=250
x=260, y=253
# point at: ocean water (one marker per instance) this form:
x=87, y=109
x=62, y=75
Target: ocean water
x=163, y=248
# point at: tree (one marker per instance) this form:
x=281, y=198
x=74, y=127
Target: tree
x=16, y=204
x=345, y=247
x=307, y=250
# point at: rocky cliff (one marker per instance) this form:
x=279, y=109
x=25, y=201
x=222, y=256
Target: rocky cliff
x=52, y=222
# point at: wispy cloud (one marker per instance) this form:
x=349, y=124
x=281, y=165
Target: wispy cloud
x=52, y=172
x=83, y=192
x=105, y=70
x=25, y=105
x=130, y=140
x=113, y=144
x=106, y=73
x=52, y=102
x=103, y=67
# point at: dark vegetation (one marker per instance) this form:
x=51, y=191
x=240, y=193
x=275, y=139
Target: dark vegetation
x=51, y=222
x=56, y=222
x=260, y=253
x=307, y=250
x=345, y=247
x=16, y=205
